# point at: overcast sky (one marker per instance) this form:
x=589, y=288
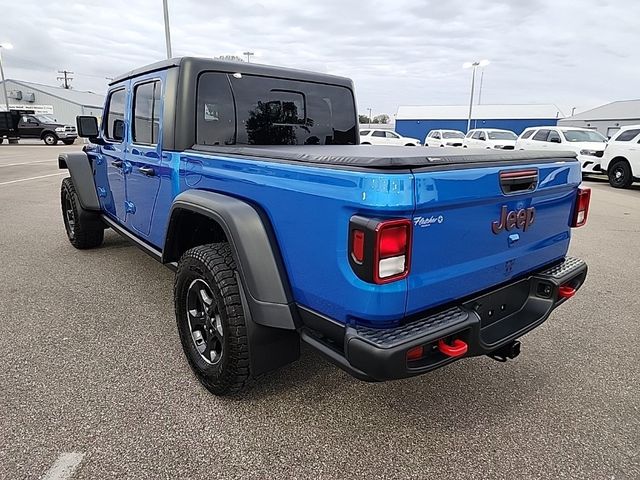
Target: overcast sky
x=581, y=53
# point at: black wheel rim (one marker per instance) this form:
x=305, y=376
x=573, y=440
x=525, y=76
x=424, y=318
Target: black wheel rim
x=69, y=217
x=618, y=175
x=205, y=323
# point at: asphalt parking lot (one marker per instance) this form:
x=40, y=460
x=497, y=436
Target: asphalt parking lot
x=90, y=363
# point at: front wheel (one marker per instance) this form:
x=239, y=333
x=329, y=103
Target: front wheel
x=410, y=145
x=620, y=175
x=211, y=320
x=81, y=234
x=50, y=139
x=69, y=141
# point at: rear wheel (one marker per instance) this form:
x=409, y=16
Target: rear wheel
x=49, y=139
x=80, y=233
x=410, y=145
x=620, y=175
x=211, y=320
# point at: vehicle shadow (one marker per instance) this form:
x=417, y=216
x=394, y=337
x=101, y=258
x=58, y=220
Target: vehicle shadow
x=604, y=180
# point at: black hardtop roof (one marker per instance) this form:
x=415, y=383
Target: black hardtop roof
x=204, y=64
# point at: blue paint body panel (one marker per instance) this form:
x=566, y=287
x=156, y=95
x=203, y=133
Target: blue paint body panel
x=419, y=128
x=454, y=254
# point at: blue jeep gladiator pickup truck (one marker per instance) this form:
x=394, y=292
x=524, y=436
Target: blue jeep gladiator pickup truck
x=249, y=182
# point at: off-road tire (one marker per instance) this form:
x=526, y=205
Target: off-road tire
x=214, y=264
x=80, y=234
x=619, y=174
x=50, y=139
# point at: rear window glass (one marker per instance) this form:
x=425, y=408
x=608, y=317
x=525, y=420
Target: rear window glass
x=274, y=111
x=627, y=135
x=216, y=117
x=364, y=132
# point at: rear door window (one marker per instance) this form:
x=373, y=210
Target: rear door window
x=541, y=135
x=527, y=134
x=146, y=112
x=553, y=135
x=377, y=133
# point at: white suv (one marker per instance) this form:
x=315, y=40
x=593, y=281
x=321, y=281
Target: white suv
x=386, y=137
x=444, y=138
x=588, y=144
x=490, y=138
x=621, y=159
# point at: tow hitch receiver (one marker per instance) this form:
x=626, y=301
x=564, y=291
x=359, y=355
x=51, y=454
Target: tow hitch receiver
x=509, y=351
x=456, y=349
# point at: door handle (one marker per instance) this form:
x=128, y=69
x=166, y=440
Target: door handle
x=148, y=171
x=117, y=163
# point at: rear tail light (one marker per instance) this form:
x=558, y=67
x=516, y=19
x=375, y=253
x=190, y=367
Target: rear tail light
x=581, y=209
x=380, y=250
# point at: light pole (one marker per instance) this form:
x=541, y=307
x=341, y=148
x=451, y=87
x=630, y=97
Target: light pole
x=248, y=54
x=474, y=66
x=6, y=46
x=480, y=89
x=370, y=119
x=167, y=34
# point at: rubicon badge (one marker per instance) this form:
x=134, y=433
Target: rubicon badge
x=509, y=220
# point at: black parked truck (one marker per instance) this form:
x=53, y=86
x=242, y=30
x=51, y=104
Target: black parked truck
x=16, y=124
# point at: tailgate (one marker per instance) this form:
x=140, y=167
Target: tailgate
x=475, y=228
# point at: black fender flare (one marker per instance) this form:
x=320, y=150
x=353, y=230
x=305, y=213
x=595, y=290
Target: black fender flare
x=81, y=172
x=255, y=251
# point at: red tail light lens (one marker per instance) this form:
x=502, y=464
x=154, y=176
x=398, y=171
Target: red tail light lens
x=392, y=251
x=581, y=210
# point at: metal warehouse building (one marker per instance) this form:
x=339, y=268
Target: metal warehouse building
x=606, y=119
x=63, y=104
x=416, y=121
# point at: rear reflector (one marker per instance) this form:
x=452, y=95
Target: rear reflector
x=581, y=210
x=415, y=353
x=358, y=246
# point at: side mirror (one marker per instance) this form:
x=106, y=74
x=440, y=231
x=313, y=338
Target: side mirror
x=554, y=140
x=87, y=126
x=482, y=139
x=118, y=130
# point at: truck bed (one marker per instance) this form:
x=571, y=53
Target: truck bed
x=387, y=157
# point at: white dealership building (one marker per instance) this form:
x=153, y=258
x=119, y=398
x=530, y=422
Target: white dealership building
x=61, y=103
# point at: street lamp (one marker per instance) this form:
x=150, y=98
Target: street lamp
x=6, y=46
x=474, y=66
x=370, y=119
x=248, y=54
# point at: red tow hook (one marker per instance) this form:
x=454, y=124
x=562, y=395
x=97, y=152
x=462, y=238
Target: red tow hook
x=566, y=291
x=457, y=349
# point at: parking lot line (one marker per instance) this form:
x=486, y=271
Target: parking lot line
x=64, y=466
x=33, y=178
x=24, y=163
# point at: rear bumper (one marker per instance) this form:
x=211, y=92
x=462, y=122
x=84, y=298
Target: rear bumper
x=484, y=323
